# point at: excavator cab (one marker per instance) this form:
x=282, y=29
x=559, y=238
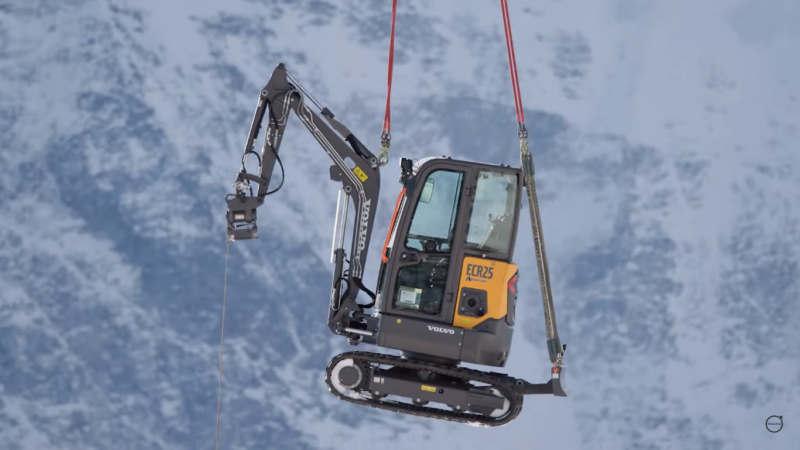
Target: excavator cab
x=448, y=262
x=447, y=286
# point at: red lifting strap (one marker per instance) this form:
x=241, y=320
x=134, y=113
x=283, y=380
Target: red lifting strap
x=387, y=121
x=512, y=63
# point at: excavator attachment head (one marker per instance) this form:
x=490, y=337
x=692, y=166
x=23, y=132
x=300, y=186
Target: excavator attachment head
x=242, y=215
x=241, y=218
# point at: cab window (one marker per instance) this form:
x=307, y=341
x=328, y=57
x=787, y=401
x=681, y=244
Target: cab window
x=434, y=218
x=491, y=223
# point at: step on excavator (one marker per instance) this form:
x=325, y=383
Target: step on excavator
x=447, y=286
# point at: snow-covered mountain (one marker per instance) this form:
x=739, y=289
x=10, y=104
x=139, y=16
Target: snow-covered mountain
x=666, y=136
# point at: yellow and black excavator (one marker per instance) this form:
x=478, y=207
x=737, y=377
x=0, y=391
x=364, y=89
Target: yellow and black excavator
x=447, y=285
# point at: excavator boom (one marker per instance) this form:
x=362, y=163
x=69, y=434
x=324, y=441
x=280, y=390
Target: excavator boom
x=354, y=166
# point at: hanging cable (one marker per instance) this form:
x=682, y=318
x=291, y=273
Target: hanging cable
x=222, y=341
x=386, y=135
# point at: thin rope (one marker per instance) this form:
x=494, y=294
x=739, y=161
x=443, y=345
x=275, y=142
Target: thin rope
x=222, y=341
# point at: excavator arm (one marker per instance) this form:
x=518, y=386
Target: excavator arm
x=354, y=166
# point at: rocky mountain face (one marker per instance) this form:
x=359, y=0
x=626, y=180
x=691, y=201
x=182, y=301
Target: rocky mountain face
x=665, y=136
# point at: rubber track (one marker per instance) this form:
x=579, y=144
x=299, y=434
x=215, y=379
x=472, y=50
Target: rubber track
x=501, y=383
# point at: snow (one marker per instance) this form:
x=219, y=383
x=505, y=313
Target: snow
x=664, y=135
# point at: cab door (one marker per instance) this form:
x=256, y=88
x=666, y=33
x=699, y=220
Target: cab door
x=487, y=285
x=425, y=254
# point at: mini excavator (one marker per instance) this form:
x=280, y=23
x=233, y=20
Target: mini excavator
x=447, y=287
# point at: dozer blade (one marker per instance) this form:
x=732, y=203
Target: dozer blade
x=359, y=378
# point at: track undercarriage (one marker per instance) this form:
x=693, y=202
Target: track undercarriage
x=464, y=395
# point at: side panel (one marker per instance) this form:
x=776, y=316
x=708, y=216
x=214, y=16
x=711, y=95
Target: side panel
x=421, y=336
x=483, y=291
x=488, y=344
